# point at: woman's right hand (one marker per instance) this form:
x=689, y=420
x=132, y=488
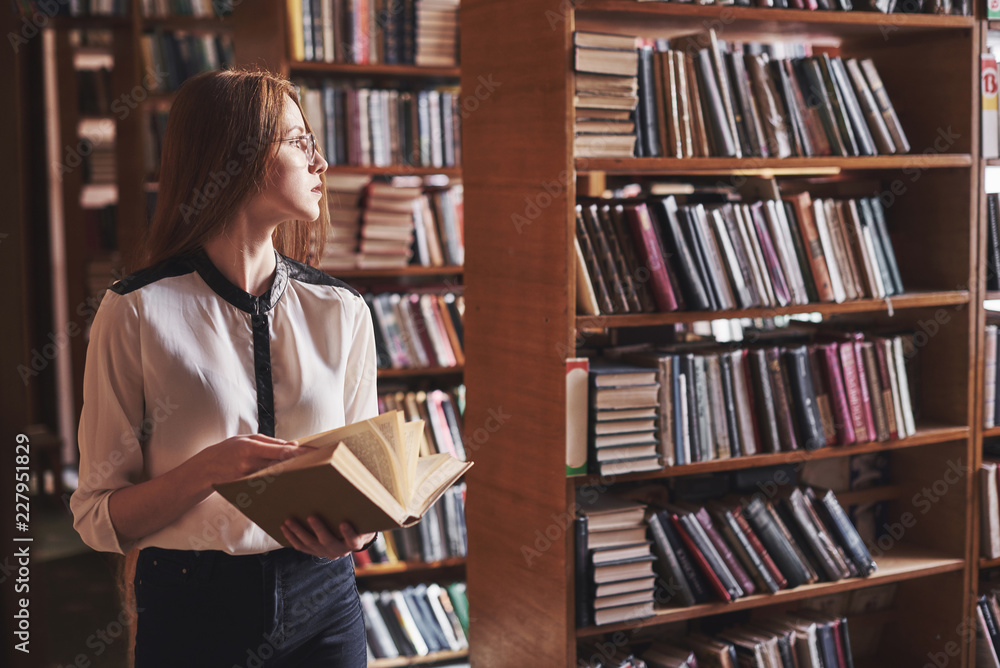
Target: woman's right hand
x=242, y=455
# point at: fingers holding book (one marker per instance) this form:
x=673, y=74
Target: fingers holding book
x=317, y=539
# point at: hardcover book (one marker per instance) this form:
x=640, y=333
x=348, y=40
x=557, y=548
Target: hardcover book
x=369, y=474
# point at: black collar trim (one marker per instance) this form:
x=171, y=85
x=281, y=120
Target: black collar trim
x=237, y=296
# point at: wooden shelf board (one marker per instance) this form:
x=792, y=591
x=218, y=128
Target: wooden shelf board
x=992, y=431
x=419, y=660
x=926, y=435
x=988, y=563
x=765, y=165
x=992, y=294
x=904, y=563
x=375, y=570
x=377, y=70
x=200, y=23
x=96, y=22
x=394, y=170
x=396, y=273
x=908, y=300
x=875, y=21
x=420, y=371
x=993, y=25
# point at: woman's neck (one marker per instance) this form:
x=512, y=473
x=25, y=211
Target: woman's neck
x=249, y=265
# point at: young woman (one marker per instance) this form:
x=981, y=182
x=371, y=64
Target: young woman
x=204, y=367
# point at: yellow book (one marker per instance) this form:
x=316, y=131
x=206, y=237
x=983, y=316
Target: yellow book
x=296, y=38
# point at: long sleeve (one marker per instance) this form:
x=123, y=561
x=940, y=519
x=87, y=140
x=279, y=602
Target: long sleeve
x=360, y=380
x=113, y=407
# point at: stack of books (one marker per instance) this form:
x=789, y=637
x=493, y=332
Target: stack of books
x=725, y=551
x=614, y=563
x=345, y=198
x=623, y=425
x=606, y=95
x=766, y=100
x=418, y=329
x=638, y=256
x=416, y=621
x=440, y=535
x=387, y=223
x=437, y=33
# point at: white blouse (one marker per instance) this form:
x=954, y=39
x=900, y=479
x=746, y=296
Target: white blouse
x=180, y=359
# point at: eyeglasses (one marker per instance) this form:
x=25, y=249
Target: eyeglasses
x=305, y=142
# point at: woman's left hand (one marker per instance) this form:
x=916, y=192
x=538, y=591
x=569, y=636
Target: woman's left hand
x=317, y=538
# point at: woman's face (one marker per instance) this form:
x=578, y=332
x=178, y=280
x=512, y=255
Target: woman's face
x=293, y=189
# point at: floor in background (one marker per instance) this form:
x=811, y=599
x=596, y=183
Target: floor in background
x=74, y=590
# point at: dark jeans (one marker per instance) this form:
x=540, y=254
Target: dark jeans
x=276, y=610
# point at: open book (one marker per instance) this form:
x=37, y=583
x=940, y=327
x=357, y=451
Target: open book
x=369, y=474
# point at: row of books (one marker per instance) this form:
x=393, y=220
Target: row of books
x=181, y=55
x=957, y=7
x=77, y=8
x=991, y=415
x=679, y=407
x=441, y=534
x=406, y=32
x=799, y=639
x=384, y=127
x=699, y=96
x=441, y=411
x=655, y=255
x=699, y=553
x=418, y=330
x=988, y=631
x=407, y=220
x=416, y=621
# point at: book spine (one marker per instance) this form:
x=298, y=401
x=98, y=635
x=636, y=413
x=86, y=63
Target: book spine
x=651, y=256
x=804, y=394
x=848, y=535
x=776, y=544
x=853, y=386
x=672, y=581
x=725, y=553
x=782, y=401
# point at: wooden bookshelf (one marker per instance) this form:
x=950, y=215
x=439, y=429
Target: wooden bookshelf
x=521, y=323
x=906, y=565
x=435, y=657
x=926, y=435
x=907, y=301
x=380, y=71
x=420, y=372
x=260, y=35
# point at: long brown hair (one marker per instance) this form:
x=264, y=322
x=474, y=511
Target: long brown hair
x=218, y=150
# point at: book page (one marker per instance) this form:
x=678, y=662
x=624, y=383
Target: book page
x=366, y=441
x=413, y=432
x=435, y=474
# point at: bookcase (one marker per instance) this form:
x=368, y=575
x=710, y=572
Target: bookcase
x=980, y=565
x=522, y=180
x=265, y=36
x=120, y=199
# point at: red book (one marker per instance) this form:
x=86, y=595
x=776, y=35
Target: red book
x=866, y=400
x=732, y=563
x=822, y=386
x=361, y=558
x=851, y=384
x=412, y=304
x=699, y=558
x=758, y=547
x=651, y=256
x=802, y=203
x=838, y=396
